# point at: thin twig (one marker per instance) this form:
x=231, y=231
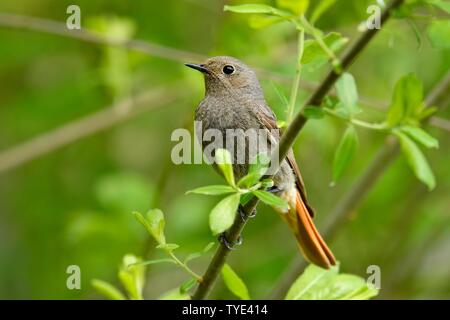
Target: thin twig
x=84, y=127
x=58, y=28
x=285, y=144
x=408, y=265
x=359, y=190
x=440, y=123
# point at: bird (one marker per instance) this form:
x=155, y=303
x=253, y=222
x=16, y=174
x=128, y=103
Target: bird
x=234, y=99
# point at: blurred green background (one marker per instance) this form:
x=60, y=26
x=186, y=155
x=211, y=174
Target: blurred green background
x=73, y=205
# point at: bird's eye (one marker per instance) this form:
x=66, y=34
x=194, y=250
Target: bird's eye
x=228, y=69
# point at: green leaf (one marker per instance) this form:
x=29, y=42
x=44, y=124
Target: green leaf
x=416, y=160
x=245, y=198
x=156, y=219
x=257, y=8
x=365, y=293
x=186, y=286
x=192, y=256
x=260, y=164
x=208, y=247
x=345, y=152
x=154, y=224
x=311, y=282
x=257, y=169
x=426, y=112
x=407, y=100
x=312, y=49
x=270, y=199
x=421, y=136
x=320, y=284
x=222, y=215
x=320, y=9
x=132, y=276
x=298, y=7
x=234, y=283
x=224, y=162
x=440, y=4
x=168, y=246
x=107, y=289
x=312, y=112
x=213, y=190
x=196, y=255
x=345, y=286
x=249, y=180
x=140, y=218
x=350, y=287
x=258, y=21
x=439, y=33
x=347, y=94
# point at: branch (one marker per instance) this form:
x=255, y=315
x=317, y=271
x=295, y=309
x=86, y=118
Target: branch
x=86, y=126
x=408, y=265
x=360, y=189
x=58, y=28
x=285, y=144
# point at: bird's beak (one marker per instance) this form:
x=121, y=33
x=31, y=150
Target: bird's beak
x=199, y=67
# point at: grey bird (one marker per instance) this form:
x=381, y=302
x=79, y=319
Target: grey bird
x=234, y=100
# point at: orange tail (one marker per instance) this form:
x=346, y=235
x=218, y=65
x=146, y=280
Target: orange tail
x=311, y=243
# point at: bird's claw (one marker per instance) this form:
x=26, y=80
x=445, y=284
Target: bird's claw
x=244, y=216
x=223, y=239
x=274, y=189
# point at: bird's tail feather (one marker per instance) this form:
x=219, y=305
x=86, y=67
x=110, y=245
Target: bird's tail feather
x=311, y=243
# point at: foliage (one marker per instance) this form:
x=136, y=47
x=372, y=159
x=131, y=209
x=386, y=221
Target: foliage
x=319, y=284
x=70, y=205
x=131, y=275
x=235, y=283
x=223, y=214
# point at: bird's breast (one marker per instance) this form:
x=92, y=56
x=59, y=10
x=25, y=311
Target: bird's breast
x=220, y=114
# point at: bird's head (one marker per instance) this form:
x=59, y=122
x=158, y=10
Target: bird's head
x=224, y=74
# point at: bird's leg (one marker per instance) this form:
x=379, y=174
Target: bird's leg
x=274, y=189
x=223, y=239
x=244, y=215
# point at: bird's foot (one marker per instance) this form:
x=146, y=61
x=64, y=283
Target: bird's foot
x=230, y=246
x=244, y=215
x=274, y=189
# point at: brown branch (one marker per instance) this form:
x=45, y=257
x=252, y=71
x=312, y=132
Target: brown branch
x=339, y=216
x=285, y=144
x=86, y=126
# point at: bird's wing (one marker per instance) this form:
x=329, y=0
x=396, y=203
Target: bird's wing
x=269, y=120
